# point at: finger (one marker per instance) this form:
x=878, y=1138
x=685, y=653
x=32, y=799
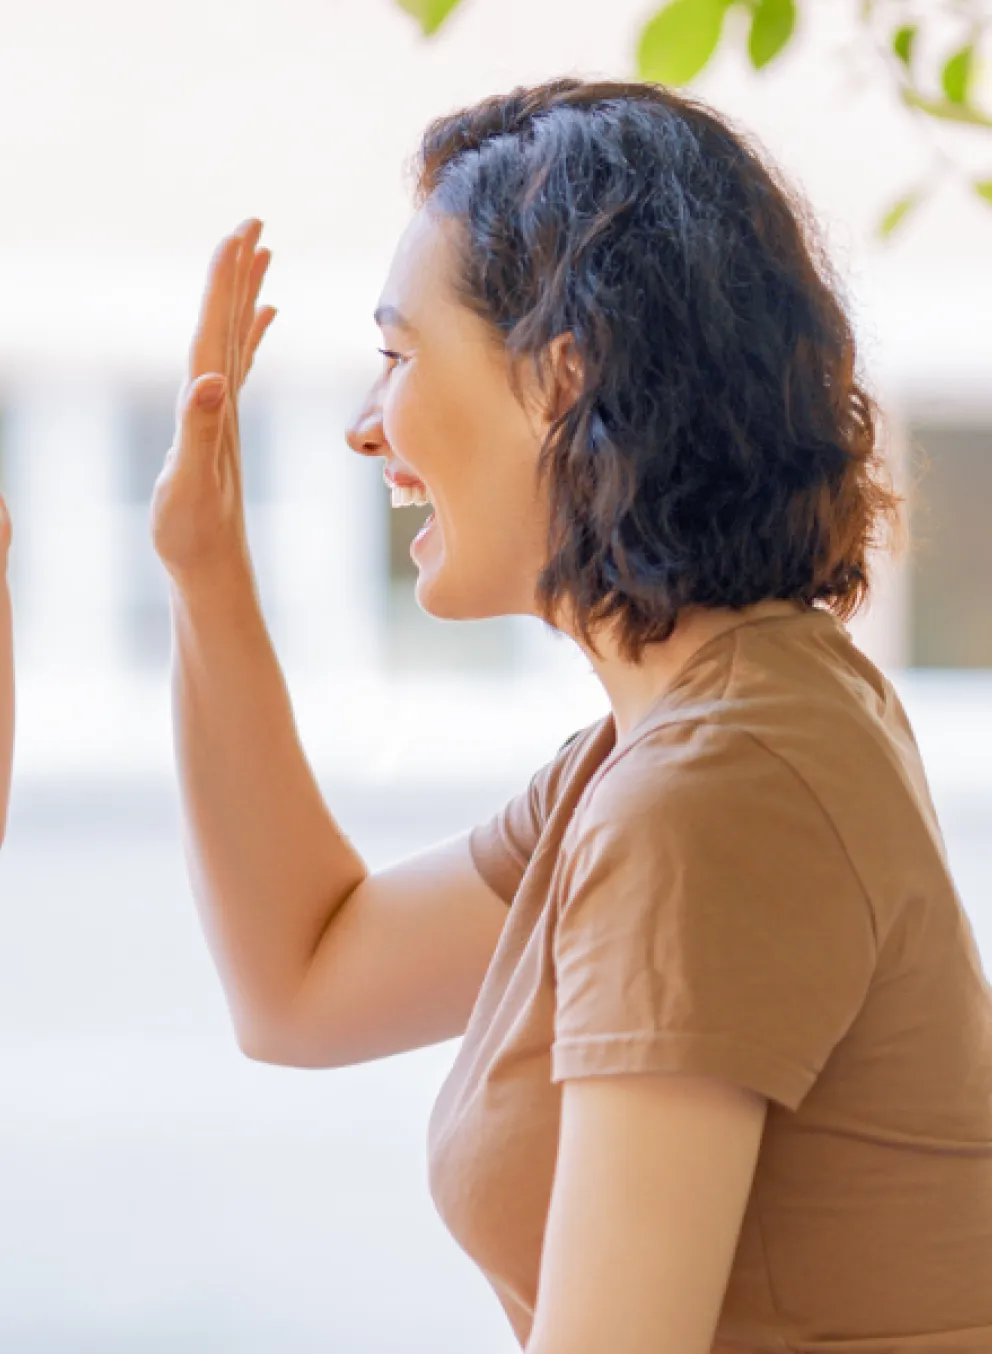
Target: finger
x=256, y=277
x=210, y=346
x=208, y=350
x=201, y=422
x=246, y=258
x=259, y=326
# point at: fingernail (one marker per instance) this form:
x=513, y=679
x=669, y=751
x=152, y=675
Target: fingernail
x=210, y=394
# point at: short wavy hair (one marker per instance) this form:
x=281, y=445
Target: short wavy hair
x=721, y=450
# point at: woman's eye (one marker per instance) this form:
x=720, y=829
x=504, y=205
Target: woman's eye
x=391, y=356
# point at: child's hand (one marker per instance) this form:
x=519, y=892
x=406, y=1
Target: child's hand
x=5, y=534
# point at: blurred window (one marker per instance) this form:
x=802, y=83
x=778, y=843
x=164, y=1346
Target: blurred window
x=951, y=561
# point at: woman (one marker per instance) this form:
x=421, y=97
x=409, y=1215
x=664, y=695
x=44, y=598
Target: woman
x=726, y=1080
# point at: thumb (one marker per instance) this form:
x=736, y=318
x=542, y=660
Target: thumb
x=209, y=390
x=200, y=416
x=205, y=407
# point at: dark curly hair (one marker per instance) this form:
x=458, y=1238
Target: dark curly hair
x=721, y=451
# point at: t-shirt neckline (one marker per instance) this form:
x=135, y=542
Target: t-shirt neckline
x=725, y=635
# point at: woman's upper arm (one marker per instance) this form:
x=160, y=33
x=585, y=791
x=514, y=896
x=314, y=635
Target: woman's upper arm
x=713, y=944
x=729, y=933
x=401, y=962
x=398, y=967
x=651, y=1184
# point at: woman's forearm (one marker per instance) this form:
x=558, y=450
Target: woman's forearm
x=268, y=863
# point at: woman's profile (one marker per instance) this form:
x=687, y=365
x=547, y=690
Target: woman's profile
x=726, y=1075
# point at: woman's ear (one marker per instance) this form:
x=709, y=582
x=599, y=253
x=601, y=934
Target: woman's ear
x=564, y=374
x=550, y=381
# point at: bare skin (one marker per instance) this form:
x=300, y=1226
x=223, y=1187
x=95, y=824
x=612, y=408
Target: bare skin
x=323, y=963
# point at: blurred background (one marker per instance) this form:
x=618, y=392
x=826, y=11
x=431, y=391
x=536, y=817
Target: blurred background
x=157, y=1190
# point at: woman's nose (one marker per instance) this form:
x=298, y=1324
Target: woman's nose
x=364, y=433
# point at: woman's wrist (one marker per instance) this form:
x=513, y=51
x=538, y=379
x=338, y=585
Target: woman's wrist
x=225, y=586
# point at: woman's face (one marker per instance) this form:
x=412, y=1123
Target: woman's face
x=443, y=413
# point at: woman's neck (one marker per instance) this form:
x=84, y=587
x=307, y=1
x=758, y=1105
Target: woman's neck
x=634, y=689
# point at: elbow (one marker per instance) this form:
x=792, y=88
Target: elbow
x=257, y=1047
x=260, y=1043
x=276, y=1043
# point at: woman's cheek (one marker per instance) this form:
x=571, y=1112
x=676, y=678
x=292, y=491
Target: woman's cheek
x=399, y=417
x=414, y=431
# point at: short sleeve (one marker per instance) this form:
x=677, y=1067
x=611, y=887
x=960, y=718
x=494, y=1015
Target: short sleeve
x=709, y=921
x=502, y=847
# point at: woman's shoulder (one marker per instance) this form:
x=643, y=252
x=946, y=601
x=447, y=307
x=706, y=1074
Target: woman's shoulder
x=781, y=708
x=681, y=767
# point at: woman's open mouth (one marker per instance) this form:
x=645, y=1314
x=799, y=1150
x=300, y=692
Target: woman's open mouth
x=413, y=495
x=422, y=535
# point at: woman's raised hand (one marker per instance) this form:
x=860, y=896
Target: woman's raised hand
x=198, y=523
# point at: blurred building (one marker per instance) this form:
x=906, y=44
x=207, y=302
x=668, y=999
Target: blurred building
x=120, y=173
x=79, y=463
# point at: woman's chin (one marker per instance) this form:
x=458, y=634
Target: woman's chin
x=436, y=600
x=448, y=598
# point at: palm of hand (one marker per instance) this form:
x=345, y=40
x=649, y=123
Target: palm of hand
x=197, y=514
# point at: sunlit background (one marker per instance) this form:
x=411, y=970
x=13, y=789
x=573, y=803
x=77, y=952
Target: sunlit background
x=158, y=1191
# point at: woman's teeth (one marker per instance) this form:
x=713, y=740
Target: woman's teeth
x=405, y=496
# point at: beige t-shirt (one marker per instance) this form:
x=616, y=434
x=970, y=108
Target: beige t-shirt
x=754, y=886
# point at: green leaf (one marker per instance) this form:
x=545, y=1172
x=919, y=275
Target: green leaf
x=983, y=187
x=678, y=42
x=771, y=28
x=944, y=109
x=430, y=14
x=903, y=42
x=898, y=213
x=956, y=75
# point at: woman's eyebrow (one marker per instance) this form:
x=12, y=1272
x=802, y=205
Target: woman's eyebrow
x=390, y=315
